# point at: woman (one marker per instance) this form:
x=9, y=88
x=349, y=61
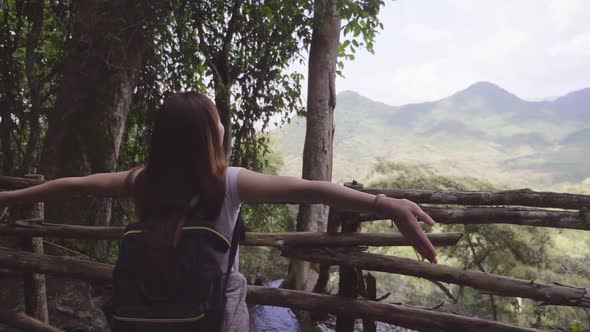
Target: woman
x=186, y=158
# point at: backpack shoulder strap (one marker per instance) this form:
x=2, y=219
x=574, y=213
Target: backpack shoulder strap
x=238, y=235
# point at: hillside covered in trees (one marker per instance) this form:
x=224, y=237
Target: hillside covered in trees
x=483, y=130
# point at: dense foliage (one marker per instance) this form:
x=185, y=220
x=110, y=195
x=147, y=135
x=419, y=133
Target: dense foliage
x=33, y=35
x=531, y=253
x=237, y=52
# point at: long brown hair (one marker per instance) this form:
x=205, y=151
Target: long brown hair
x=185, y=158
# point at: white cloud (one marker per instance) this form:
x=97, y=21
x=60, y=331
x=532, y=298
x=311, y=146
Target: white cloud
x=463, y=4
x=411, y=84
x=430, y=49
x=577, y=46
x=562, y=13
x=496, y=48
x=424, y=33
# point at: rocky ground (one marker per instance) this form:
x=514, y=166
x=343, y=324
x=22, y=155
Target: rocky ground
x=73, y=305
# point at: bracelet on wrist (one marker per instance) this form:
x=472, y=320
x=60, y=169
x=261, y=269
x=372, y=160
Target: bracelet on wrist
x=376, y=202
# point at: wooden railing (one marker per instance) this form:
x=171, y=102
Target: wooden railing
x=342, y=245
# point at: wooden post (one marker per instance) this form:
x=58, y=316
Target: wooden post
x=324, y=274
x=370, y=294
x=34, y=283
x=348, y=286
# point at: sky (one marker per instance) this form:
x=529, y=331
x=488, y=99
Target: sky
x=429, y=49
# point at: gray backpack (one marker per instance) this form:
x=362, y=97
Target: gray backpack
x=195, y=301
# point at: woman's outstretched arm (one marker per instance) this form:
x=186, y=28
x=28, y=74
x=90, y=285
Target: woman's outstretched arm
x=102, y=184
x=260, y=188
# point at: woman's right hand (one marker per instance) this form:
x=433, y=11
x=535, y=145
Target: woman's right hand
x=406, y=214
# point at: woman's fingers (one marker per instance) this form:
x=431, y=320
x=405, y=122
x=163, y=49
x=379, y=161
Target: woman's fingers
x=423, y=216
x=418, y=246
x=408, y=213
x=422, y=249
x=418, y=239
x=426, y=247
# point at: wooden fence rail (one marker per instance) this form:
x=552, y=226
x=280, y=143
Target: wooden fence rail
x=24, y=322
x=524, y=197
x=493, y=284
x=56, y=265
x=13, y=183
x=467, y=207
x=402, y=315
x=490, y=283
x=502, y=215
x=31, y=227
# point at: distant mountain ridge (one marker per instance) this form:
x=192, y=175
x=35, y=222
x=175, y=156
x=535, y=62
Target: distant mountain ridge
x=483, y=130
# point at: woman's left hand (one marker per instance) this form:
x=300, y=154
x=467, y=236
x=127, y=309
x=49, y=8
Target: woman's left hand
x=406, y=214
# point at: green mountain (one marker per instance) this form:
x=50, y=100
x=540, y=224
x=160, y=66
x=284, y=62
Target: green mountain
x=482, y=131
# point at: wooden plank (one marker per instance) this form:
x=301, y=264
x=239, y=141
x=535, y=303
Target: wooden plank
x=401, y=315
x=26, y=323
x=487, y=283
x=497, y=215
x=32, y=228
x=524, y=197
x=56, y=265
x=13, y=183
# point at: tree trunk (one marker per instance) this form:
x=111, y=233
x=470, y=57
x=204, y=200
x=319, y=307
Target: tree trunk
x=10, y=83
x=223, y=104
x=102, y=62
x=34, y=83
x=321, y=100
x=6, y=125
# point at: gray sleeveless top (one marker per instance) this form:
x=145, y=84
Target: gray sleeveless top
x=226, y=220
